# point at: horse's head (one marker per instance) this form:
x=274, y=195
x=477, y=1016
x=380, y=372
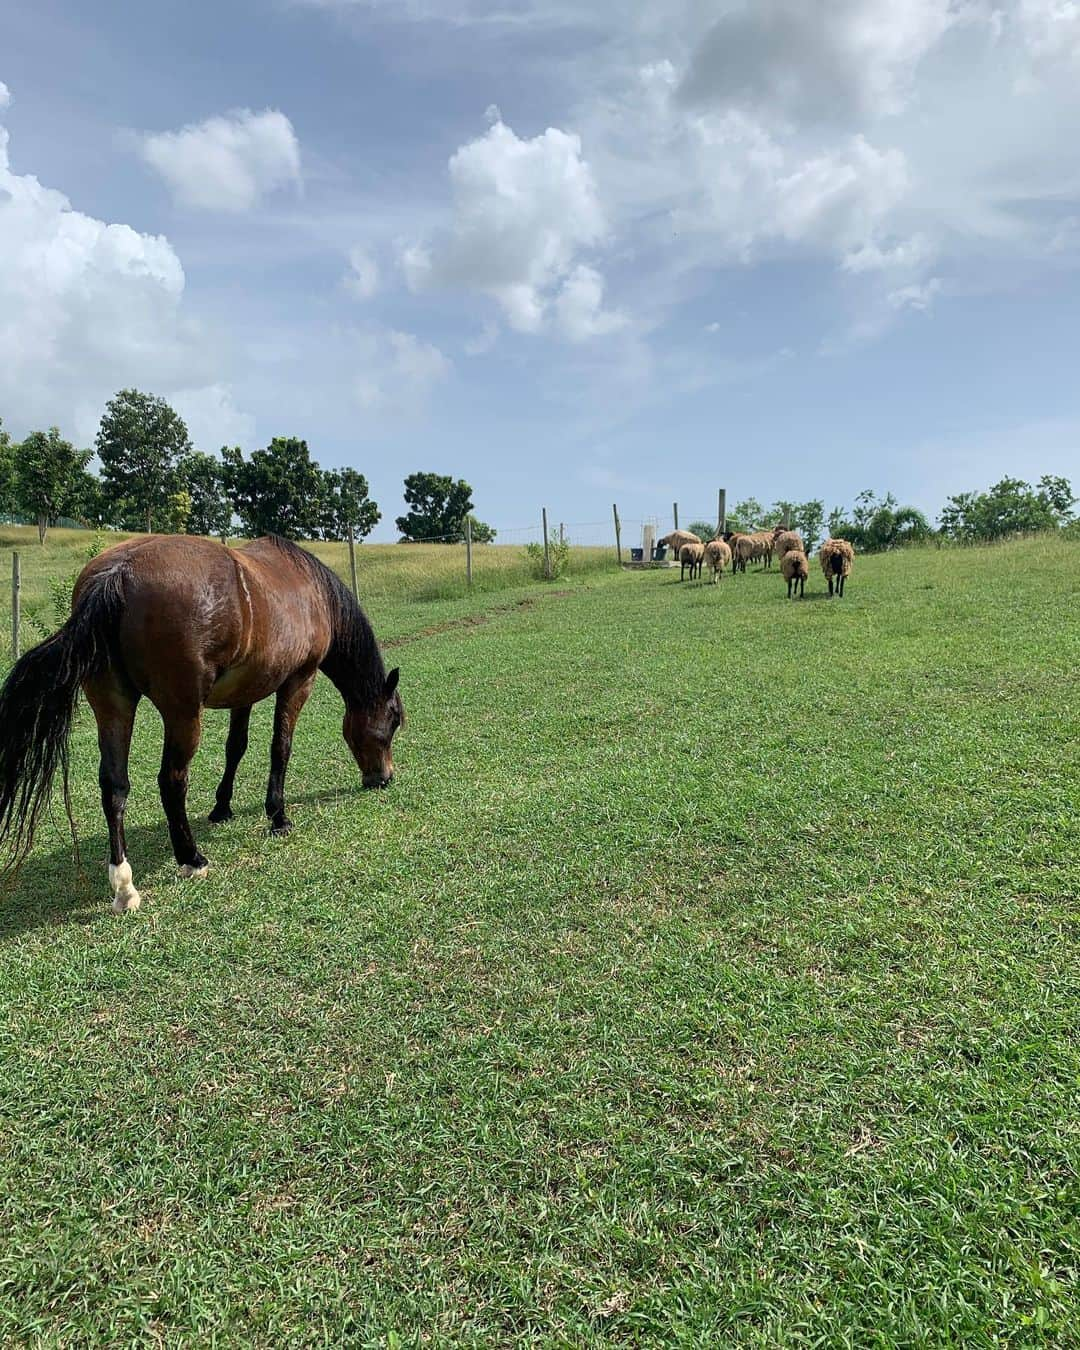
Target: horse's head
x=369, y=733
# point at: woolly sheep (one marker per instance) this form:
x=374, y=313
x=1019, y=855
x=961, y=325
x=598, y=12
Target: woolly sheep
x=718, y=556
x=836, y=557
x=692, y=556
x=742, y=551
x=786, y=540
x=675, y=541
x=795, y=569
x=763, y=547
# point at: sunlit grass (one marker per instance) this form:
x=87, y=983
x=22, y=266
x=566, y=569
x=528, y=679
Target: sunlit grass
x=709, y=976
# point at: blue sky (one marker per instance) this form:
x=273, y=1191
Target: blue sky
x=576, y=251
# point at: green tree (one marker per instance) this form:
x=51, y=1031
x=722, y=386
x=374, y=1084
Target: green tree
x=47, y=471
x=481, y=533
x=203, y=478
x=178, y=512
x=439, y=507
x=781, y=513
x=7, y=471
x=746, y=517
x=809, y=520
x=278, y=490
x=346, y=505
x=1010, y=507
x=139, y=443
x=703, y=529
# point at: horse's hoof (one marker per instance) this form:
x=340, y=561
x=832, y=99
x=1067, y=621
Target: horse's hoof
x=281, y=829
x=126, y=901
x=220, y=814
x=196, y=870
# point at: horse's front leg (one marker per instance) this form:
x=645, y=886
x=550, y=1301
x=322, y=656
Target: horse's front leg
x=291, y=697
x=181, y=741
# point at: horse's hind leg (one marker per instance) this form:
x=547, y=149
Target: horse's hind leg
x=181, y=741
x=234, y=752
x=114, y=704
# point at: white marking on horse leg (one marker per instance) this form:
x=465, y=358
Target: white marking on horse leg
x=188, y=871
x=126, y=898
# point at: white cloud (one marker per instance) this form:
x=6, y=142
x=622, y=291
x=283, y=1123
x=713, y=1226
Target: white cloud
x=212, y=417
x=5, y=95
x=362, y=278
x=397, y=371
x=919, y=295
x=816, y=59
x=1051, y=29
x=579, y=306
x=523, y=211
x=484, y=340
x=226, y=163
x=86, y=308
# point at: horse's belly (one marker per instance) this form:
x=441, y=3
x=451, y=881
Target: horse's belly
x=239, y=687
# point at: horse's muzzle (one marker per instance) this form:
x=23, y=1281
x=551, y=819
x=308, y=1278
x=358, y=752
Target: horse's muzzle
x=378, y=780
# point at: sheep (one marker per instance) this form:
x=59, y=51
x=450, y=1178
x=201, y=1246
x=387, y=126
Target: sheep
x=692, y=556
x=836, y=557
x=795, y=569
x=742, y=551
x=786, y=540
x=676, y=539
x=763, y=540
x=718, y=555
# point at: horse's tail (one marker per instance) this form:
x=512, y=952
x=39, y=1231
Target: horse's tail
x=37, y=705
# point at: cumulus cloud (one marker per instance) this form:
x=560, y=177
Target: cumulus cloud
x=523, y=211
x=86, y=308
x=226, y=163
x=5, y=95
x=1051, y=29
x=816, y=59
x=362, y=278
x=396, y=371
x=212, y=417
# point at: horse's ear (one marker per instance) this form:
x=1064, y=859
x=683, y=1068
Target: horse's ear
x=391, y=681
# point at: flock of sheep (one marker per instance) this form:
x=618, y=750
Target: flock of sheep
x=734, y=550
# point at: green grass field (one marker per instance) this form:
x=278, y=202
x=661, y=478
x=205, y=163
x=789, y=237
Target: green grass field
x=710, y=975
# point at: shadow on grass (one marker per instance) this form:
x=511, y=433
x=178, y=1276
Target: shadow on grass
x=51, y=889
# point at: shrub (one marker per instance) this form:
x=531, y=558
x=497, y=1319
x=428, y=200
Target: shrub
x=558, y=557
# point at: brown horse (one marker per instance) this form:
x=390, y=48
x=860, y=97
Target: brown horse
x=189, y=624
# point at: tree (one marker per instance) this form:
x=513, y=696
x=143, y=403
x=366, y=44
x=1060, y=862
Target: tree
x=178, y=512
x=703, y=529
x=7, y=471
x=439, y=508
x=1009, y=507
x=139, y=444
x=47, y=473
x=203, y=477
x=481, y=533
x=781, y=513
x=746, y=517
x=346, y=506
x=809, y=520
x=90, y=502
x=278, y=490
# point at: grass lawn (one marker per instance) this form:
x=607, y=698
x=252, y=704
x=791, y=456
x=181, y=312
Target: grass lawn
x=709, y=975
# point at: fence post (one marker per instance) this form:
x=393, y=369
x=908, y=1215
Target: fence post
x=547, y=552
x=468, y=550
x=352, y=565
x=675, y=512
x=618, y=534
x=721, y=511
x=562, y=533
x=16, y=604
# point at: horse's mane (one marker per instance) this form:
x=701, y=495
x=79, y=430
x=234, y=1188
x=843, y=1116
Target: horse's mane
x=354, y=661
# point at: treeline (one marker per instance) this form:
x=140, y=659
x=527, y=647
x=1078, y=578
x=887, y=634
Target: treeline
x=875, y=524
x=152, y=478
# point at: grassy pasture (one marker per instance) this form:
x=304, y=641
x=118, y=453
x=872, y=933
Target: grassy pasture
x=709, y=975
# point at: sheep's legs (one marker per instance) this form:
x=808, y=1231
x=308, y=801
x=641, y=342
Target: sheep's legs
x=840, y=584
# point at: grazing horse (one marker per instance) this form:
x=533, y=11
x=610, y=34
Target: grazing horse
x=189, y=624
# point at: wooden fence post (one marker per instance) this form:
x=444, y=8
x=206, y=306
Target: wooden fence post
x=618, y=534
x=352, y=566
x=547, y=553
x=675, y=511
x=721, y=511
x=562, y=533
x=16, y=604
x=468, y=550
